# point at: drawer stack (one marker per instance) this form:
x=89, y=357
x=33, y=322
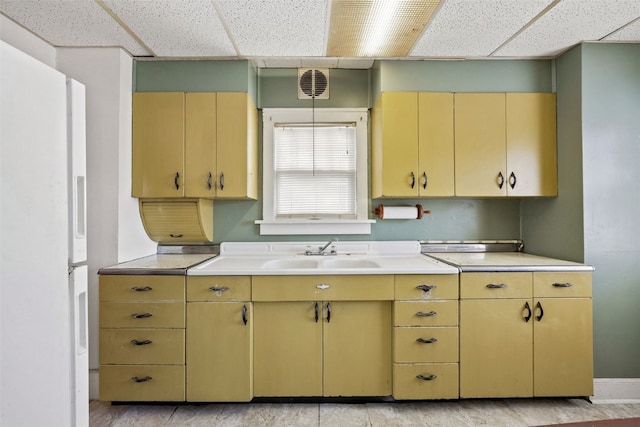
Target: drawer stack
x=142, y=338
x=425, y=334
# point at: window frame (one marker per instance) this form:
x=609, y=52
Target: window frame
x=269, y=224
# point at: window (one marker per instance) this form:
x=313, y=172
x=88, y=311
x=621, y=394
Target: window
x=315, y=172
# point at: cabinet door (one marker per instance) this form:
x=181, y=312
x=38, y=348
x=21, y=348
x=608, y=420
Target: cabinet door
x=158, y=144
x=531, y=144
x=435, y=133
x=357, y=348
x=236, y=149
x=496, y=354
x=287, y=349
x=219, y=351
x=200, y=144
x=395, y=151
x=480, y=144
x=563, y=347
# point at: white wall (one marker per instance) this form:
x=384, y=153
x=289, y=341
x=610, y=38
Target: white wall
x=25, y=41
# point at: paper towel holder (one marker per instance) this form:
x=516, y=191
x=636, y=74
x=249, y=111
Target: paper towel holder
x=419, y=211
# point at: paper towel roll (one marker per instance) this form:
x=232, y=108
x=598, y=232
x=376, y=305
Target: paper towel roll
x=400, y=212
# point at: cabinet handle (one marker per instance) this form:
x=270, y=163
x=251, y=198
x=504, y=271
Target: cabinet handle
x=426, y=180
x=429, y=341
x=221, y=181
x=209, y=181
x=323, y=286
x=145, y=342
x=500, y=180
x=426, y=378
x=539, y=307
x=512, y=180
x=219, y=289
x=494, y=286
x=413, y=179
x=317, y=314
x=138, y=289
x=563, y=285
x=175, y=181
x=141, y=380
x=423, y=314
x=141, y=316
x=176, y=236
x=328, y=312
x=528, y=316
x=426, y=288
x=244, y=314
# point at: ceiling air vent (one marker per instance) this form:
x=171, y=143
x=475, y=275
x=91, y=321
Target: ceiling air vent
x=313, y=83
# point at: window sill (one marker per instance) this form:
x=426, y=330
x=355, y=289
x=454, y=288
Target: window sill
x=295, y=227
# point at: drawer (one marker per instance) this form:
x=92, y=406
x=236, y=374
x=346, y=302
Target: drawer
x=425, y=287
x=219, y=288
x=429, y=313
x=496, y=285
x=425, y=345
x=142, y=346
x=562, y=284
x=142, y=383
x=376, y=287
x=141, y=288
x=425, y=381
x=142, y=314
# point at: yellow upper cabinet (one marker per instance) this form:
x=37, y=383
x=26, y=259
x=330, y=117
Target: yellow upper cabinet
x=200, y=145
x=505, y=144
x=412, y=148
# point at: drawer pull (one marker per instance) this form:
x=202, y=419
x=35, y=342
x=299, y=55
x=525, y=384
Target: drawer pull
x=426, y=288
x=423, y=314
x=562, y=285
x=145, y=342
x=323, y=286
x=494, y=286
x=244, y=314
x=176, y=236
x=141, y=380
x=426, y=378
x=139, y=289
x=141, y=316
x=219, y=289
x=429, y=341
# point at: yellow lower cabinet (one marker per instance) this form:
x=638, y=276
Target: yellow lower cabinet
x=496, y=348
x=141, y=346
x=219, y=351
x=413, y=345
x=131, y=383
x=425, y=381
x=287, y=349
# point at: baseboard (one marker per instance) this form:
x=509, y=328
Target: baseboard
x=616, y=390
x=94, y=384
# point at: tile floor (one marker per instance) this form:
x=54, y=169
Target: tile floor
x=462, y=413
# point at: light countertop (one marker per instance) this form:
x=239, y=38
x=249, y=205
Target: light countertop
x=507, y=261
x=164, y=264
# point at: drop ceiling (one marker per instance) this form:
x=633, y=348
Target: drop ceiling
x=291, y=33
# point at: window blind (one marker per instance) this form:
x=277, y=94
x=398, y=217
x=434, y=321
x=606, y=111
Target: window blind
x=315, y=170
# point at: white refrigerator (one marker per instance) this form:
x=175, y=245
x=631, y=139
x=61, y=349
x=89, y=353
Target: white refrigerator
x=43, y=272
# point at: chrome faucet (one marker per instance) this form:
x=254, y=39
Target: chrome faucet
x=321, y=249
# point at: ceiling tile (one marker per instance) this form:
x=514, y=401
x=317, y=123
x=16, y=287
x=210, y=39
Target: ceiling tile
x=184, y=28
x=277, y=27
x=471, y=28
x=570, y=22
x=630, y=32
x=71, y=23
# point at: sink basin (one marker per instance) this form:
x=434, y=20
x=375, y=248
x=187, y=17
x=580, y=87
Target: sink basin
x=290, y=263
x=349, y=263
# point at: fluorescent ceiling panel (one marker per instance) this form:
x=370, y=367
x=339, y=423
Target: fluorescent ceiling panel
x=71, y=23
x=277, y=27
x=570, y=22
x=185, y=28
x=630, y=32
x=377, y=28
x=471, y=28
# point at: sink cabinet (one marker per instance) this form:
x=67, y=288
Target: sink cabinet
x=322, y=335
x=219, y=339
x=543, y=320
x=142, y=338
